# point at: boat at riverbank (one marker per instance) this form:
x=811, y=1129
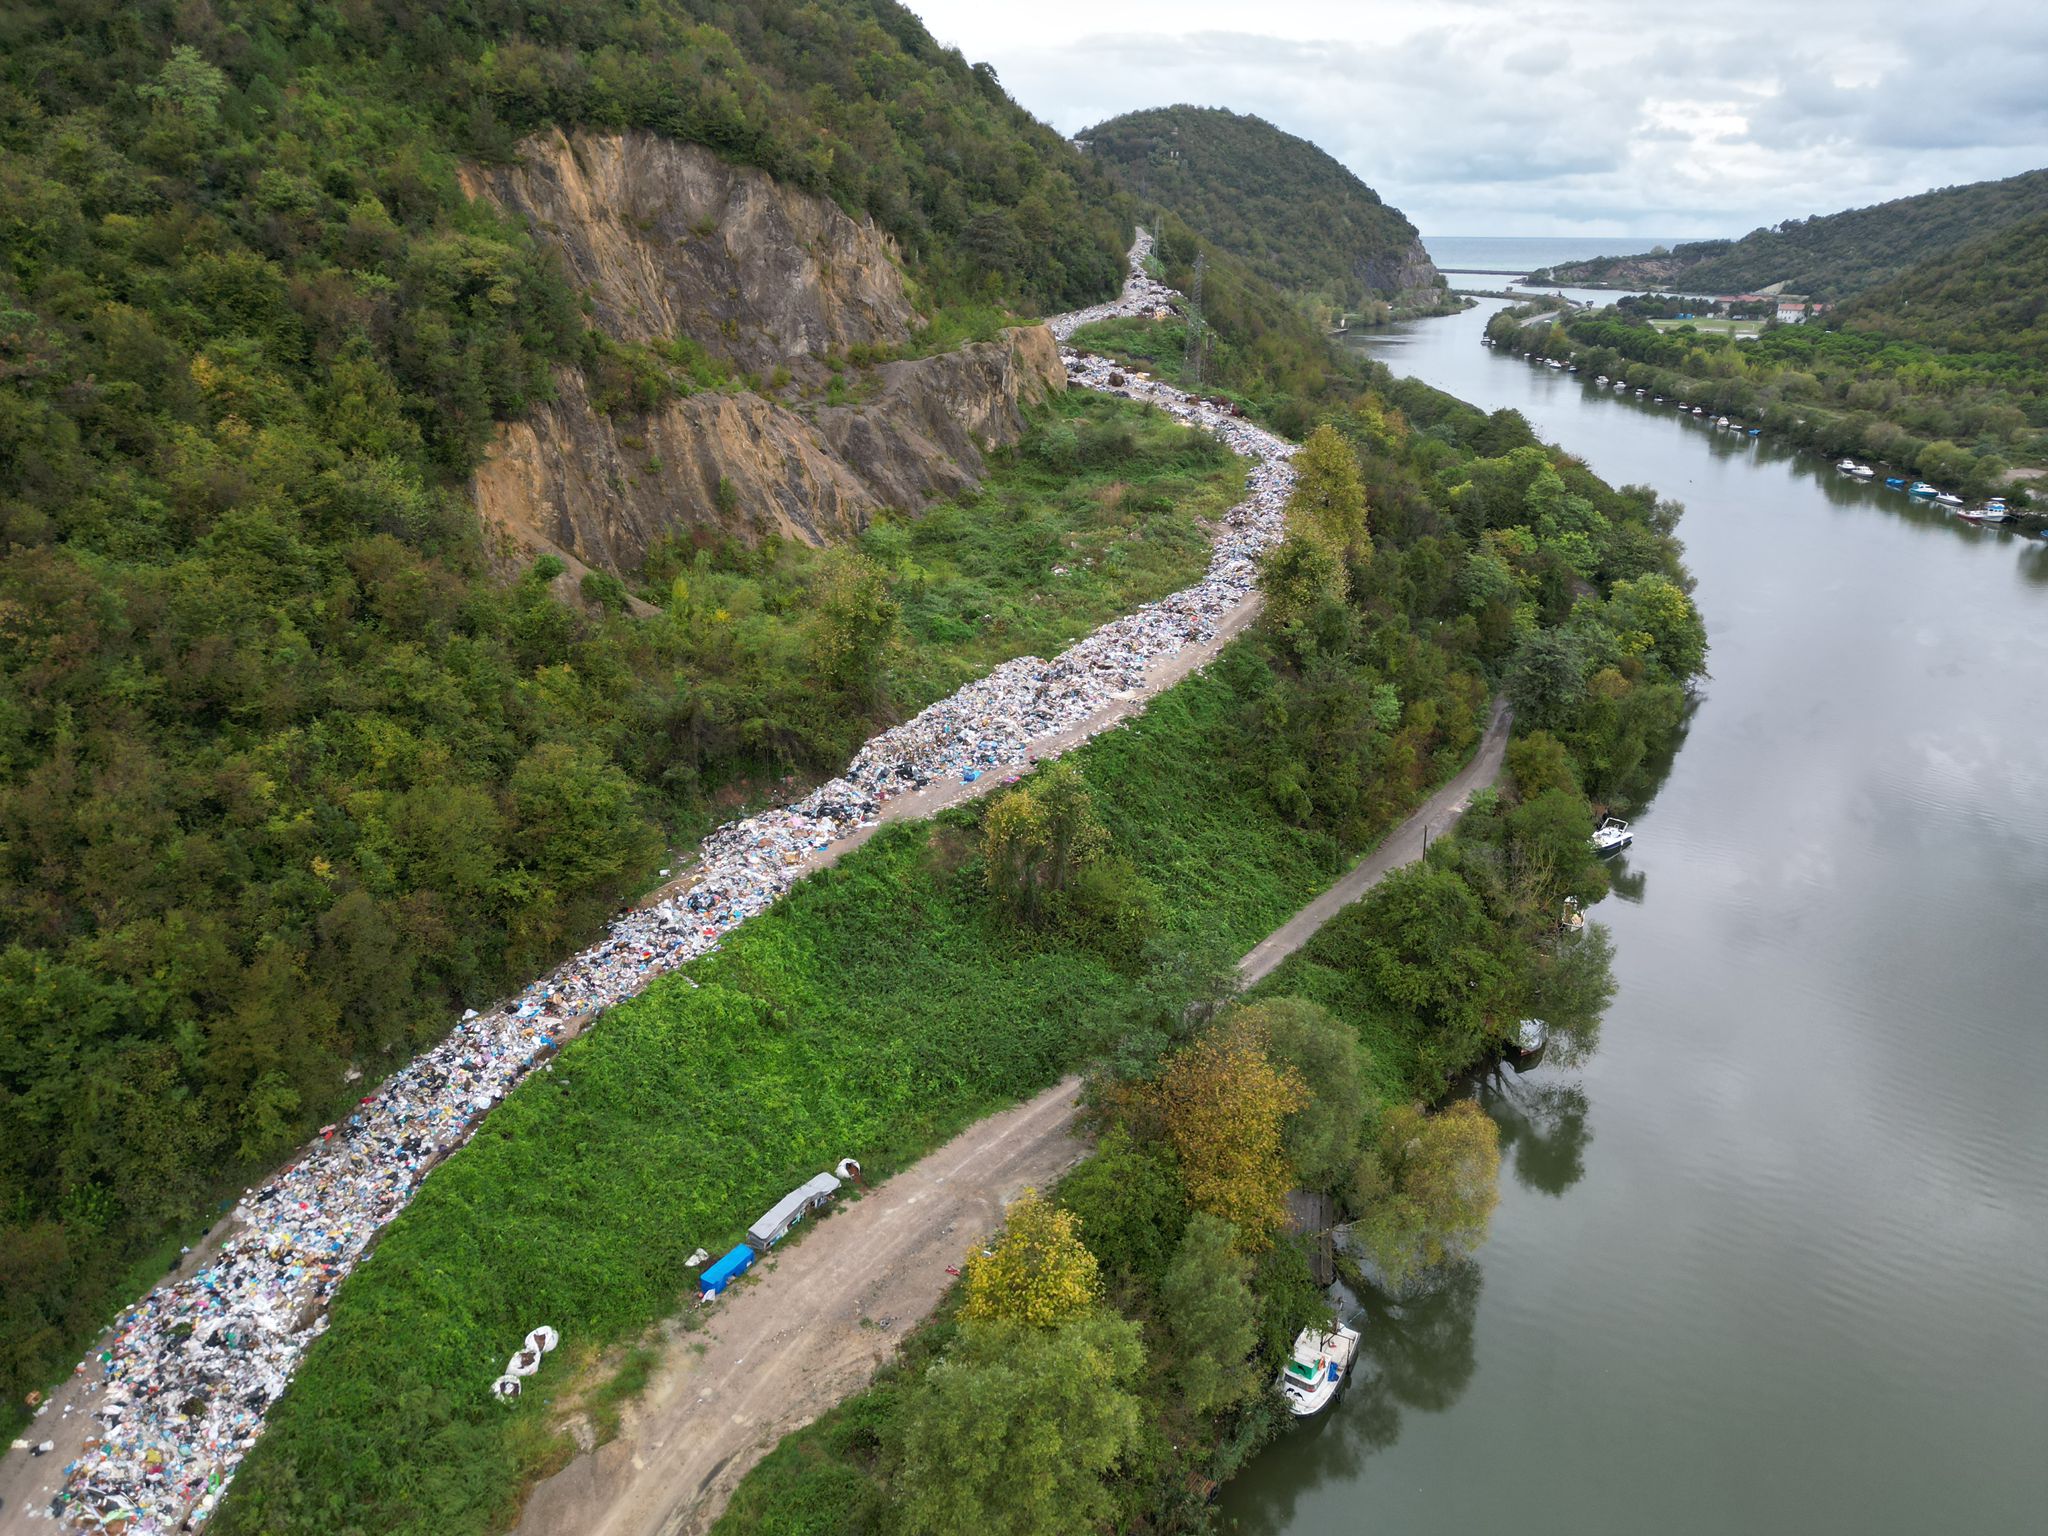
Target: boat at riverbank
x=1316, y=1368
x=1854, y=470
x=1611, y=836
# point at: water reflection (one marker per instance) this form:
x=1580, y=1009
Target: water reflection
x=1543, y=1129
x=1416, y=1353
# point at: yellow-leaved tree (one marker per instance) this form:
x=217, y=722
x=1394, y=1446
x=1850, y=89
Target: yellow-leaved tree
x=1225, y=1104
x=1329, y=495
x=1039, y=1272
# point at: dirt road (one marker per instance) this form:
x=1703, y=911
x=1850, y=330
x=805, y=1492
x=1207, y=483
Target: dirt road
x=782, y=1349
x=1403, y=845
x=798, y=1340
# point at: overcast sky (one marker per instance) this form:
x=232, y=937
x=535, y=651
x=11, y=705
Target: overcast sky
x=1589, y=117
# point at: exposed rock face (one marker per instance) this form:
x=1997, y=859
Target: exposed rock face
x=669, y=240
x=601, y=489
x=1399, y=273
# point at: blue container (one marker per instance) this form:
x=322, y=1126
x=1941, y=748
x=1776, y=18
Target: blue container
x=725, y=1271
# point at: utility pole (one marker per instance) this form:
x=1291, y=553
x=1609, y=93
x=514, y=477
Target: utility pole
x=1192, y=358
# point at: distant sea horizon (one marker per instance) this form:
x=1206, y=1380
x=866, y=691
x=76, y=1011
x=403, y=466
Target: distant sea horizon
x=1526, y=253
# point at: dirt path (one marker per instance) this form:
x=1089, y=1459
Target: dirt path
x=808, y=1326
x=782, y=1349
x=1403, y=845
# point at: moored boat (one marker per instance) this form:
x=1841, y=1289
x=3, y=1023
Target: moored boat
x=1316, y=1368
x=1528, y=1040
x=1993, y=511
x=1854, y=470
x=1948, y=499
x=1611, y=836
x=1896, y=482
x=1919, y=488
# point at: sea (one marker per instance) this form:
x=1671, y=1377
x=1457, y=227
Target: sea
x=1526, y=253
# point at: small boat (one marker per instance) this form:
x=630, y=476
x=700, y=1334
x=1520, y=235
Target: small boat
x=1574, y=919
x=1756, y=431
x=1697, y=411
x=1611, y=836
x=1722, y=422
x=1657, y=400
x=1573, y=369
x=1919, y=488
x=1640, y=392
x=1316, y=1368
x=1984, y=514
x=1896, y=482
x=1599, y=378
x=1857, y=471
x=1527, y=1042
x=1948, y=499
x=1557, y=365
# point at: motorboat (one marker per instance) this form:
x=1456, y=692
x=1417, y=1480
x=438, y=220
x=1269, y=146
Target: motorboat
x=1557, y=365
x=1985, y=514
x=1620, y=384
x=1856, y=471
x=1896, y=482
x=1599, y=378
x=1316, y=1368
x=1611, y=836
x=1948, y=499
x=1756, y=431
x=1721, y=422
x=1920, y=488
x=1697, y=411
x=1640, y=392
x=1657, y=400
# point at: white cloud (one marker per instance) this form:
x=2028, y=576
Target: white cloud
x=1563, y=116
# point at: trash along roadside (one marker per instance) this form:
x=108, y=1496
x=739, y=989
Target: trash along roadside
x=180, y=1386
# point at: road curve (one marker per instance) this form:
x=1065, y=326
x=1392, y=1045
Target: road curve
x=790, y=1345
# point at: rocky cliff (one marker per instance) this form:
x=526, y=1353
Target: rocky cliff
x=570, y=480
x=670, y=241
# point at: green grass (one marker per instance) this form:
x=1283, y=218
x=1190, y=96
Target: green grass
x=874, y=1011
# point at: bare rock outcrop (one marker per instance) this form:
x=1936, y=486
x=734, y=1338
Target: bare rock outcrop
x=669, y=240
x=599, y=489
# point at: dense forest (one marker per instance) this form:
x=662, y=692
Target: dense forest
x=1960, y=420
x=1990, y=297
x=1276, y=201
x=286, y=777
x=1830, y=256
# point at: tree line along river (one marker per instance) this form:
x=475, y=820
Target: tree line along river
x=1776, y=1257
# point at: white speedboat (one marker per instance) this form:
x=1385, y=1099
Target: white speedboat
x=1316, y=1368
x=1858, y=471
x=1611, y=836
x=1948, y=499
x=1721, y=421
x=1599, y=378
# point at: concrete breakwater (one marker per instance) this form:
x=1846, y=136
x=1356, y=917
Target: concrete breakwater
x=157, y=1419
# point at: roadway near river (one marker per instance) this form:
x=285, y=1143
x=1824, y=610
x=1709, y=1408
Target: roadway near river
x=786, y=1347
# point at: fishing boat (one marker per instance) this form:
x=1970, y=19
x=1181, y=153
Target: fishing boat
x=1316, y=1368
x=1611, y=836
x=1948, y=499
x=1919, y=488
x=1896, y=482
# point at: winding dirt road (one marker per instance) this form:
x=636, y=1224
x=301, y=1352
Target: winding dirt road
x=784, y=1348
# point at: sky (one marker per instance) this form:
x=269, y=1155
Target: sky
x=1585, y=118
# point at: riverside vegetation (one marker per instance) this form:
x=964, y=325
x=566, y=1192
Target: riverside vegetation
x=1957, y=418
x=950, y=967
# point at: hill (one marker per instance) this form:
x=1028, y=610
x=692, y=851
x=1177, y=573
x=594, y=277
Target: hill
x=291, y=767
x=1277, y=201
x=1827, y=257
x=1989, y=296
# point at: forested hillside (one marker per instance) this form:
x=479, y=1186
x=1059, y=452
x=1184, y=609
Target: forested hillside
x=1277, y=201
x=285, y=776
x=1830, y=256
x=1990, y=296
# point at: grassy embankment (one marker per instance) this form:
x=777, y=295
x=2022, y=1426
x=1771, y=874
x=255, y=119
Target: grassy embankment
x=876, y=1010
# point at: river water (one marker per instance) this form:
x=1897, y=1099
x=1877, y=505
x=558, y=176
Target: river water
x=1775, y=1259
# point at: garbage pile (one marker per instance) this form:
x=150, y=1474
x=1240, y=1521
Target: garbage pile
x=192, y=1368
x=524, y=1362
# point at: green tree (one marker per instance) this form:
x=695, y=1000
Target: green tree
x=1014, y=1432
x=1426, y=1188
x=1131, y=1206
x=1037, y=838
x=1305, y=583
x=856, y=618
x=1321, y=1137
x=1329, y=495
x=1212, y=1316
x=1654, y=614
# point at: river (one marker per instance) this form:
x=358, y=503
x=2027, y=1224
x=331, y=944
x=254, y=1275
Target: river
x=1775, y=1258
